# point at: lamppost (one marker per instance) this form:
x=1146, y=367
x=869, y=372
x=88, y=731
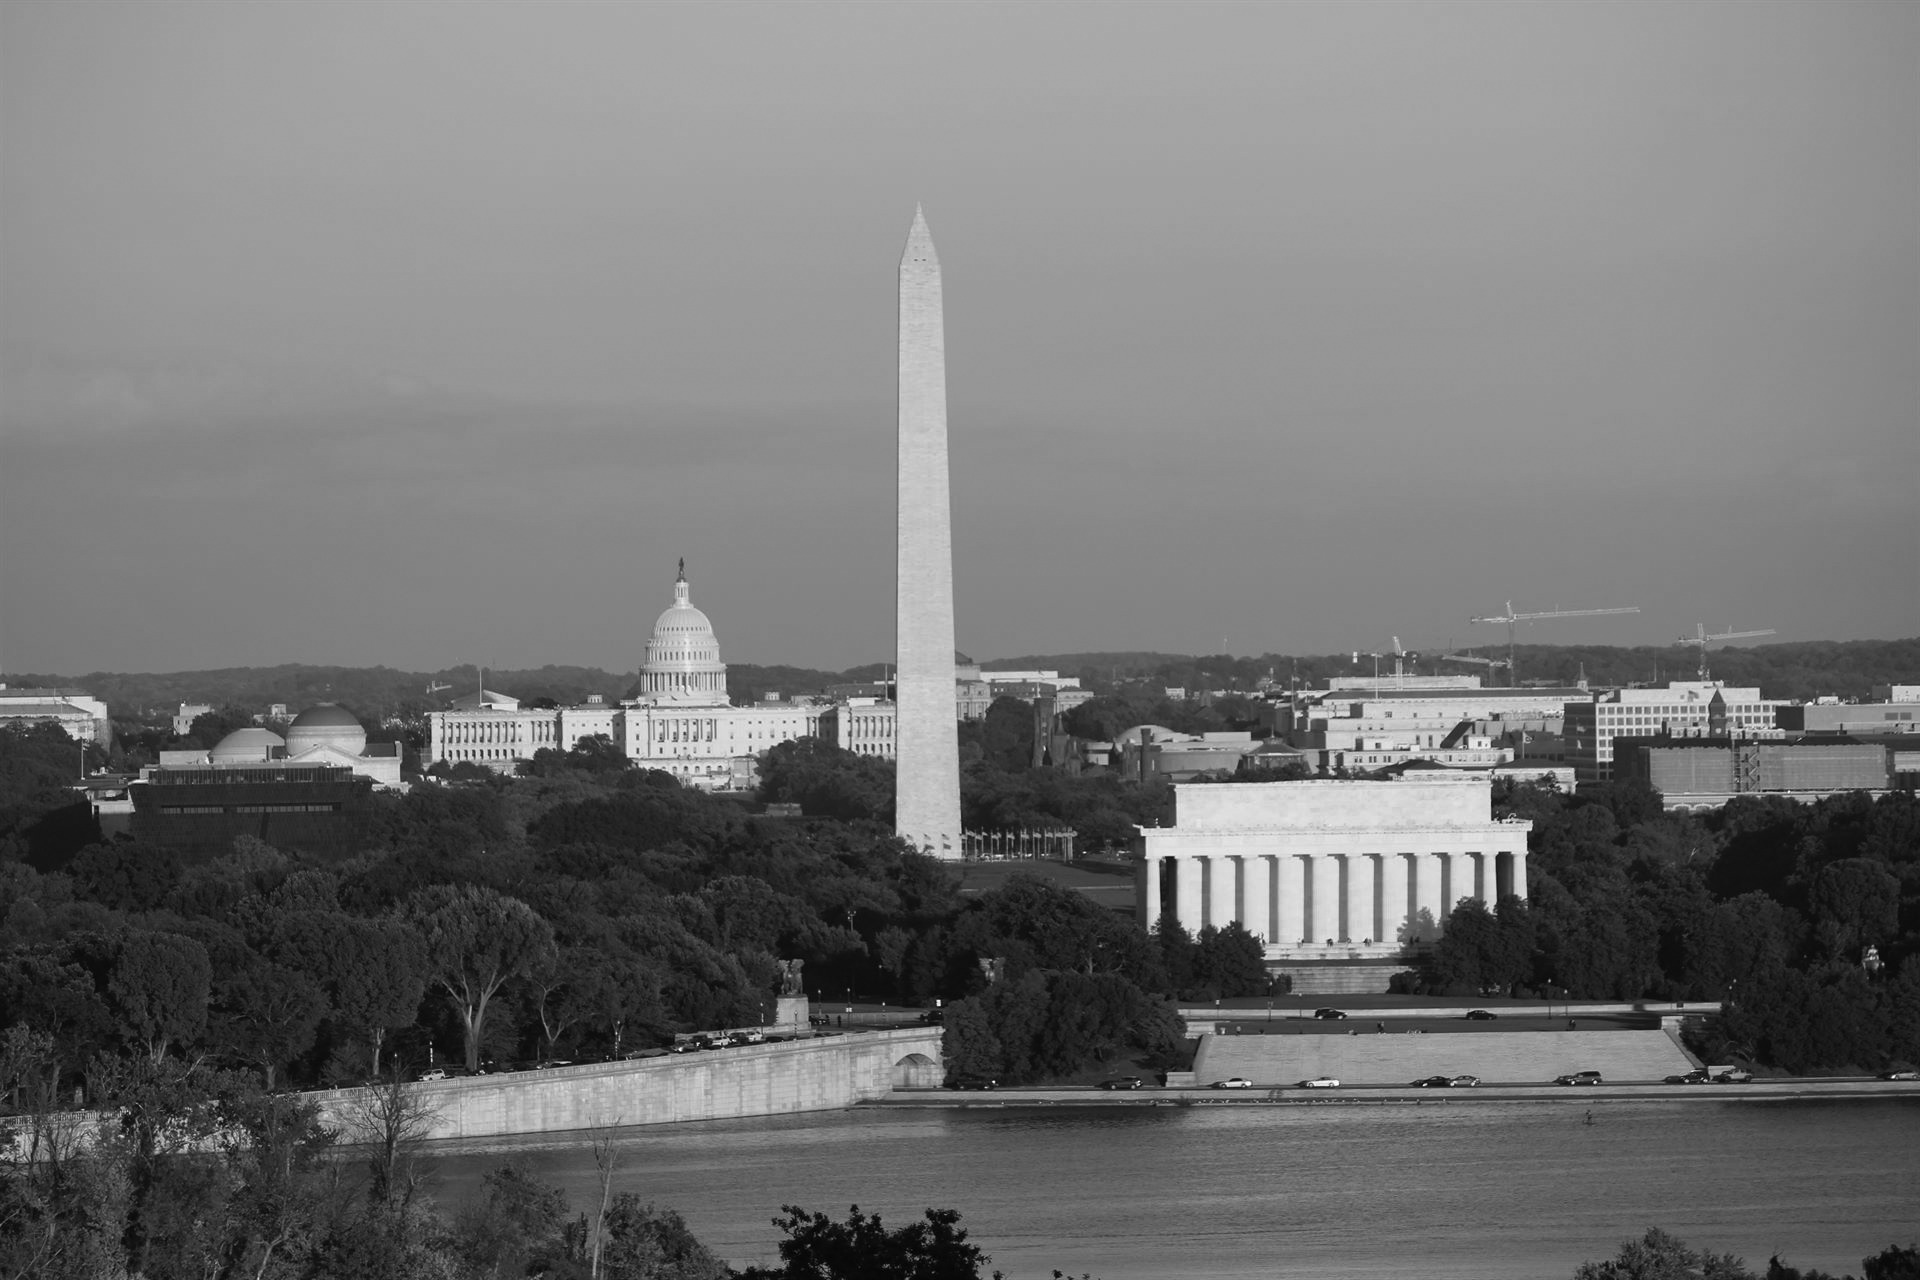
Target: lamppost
x=1549, y=1000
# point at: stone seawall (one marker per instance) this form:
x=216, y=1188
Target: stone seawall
x=1515, y=1057
x=825, y=1074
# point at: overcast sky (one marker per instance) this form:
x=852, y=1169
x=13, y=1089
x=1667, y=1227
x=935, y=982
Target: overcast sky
x=422, y=334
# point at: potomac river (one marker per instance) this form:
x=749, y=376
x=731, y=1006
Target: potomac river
x=1428, y=1190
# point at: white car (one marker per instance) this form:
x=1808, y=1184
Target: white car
x=1320, y=1082
x=1232, y=1082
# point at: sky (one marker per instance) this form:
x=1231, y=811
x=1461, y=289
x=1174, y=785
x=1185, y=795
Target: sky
x=424, y=334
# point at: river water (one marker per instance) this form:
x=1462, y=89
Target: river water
x=1478, y=1191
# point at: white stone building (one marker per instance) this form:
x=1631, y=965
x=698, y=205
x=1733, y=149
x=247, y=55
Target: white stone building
x=83, y=716
x=323, y=734
x=681, y=723
x=1326, y=869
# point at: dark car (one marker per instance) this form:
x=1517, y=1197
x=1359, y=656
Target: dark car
x=974, y=1082
x=933, y=1017
x=1331, y=1015
x=1481, y=1015
x=685, y=1046
x=1692, y=1077
x=1124, y=1082
x=1434, y=1082
x=1579, y=1077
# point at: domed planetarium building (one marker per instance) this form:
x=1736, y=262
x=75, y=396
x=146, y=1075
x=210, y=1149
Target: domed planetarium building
x=680, y=721
x=309, y=791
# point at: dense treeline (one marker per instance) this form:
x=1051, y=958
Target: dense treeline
x=1659, y=1256
x=579, y=912
x=1804, y=918
x=1802, y=669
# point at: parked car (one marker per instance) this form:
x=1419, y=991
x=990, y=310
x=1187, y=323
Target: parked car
x=1465, y=1082
x=1232, y=1082
x=1698, y=1076
x=1579, y=1077
x=1734, y=1075
x=975, y=1082
x=1331, y=1015
x=1434, y=1082
x=434, y=1073
x=752, y=1035
x=933, y=1017
x=551, y=1063
x=686, y=1046
x=721, y=1041
x=1481, y=1015
x=1320, y=1082
x=1123, y=1082
x=1900, y=1073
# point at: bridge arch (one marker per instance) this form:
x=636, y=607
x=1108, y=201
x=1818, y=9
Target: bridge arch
x=916, y=1071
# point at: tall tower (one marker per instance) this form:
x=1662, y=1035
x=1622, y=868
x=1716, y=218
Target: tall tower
x=927, y=787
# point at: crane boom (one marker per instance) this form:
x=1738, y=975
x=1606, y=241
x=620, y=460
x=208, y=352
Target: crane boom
x=1510, y=618
x=1701, y=638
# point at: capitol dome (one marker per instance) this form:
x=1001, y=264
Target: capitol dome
x=246, y=745
x=683, y=657
x=326, y=725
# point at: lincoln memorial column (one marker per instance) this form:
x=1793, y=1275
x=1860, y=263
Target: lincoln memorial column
x=1186, y=892
x=1148, y=872
x=1520, y=874
x=1256, y=896
x=1221, y=905
x=1393, y=896
x=1486, y=877
x=1426, y=893
x=1326, y=898
x=1360, y=917
x=1293, y=898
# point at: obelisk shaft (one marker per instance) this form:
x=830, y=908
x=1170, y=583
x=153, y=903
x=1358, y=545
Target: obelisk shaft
x=927, y=794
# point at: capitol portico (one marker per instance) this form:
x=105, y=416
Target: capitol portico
x=1330, y=868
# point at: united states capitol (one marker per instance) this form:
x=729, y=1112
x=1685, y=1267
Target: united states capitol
x=680, y=720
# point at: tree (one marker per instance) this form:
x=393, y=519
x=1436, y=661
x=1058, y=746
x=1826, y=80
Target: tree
x=819, y=1248
x=392, y=1120
x=1230, y=961
x=645, y=1243
x=476, y=939
x=1658, y=1256
x=268, y=1015
x=158, y=989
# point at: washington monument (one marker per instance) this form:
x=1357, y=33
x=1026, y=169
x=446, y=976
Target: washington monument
x=927, y=787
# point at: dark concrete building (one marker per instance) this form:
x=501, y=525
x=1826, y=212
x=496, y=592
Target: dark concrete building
x=1703, y=773
x=319, y=810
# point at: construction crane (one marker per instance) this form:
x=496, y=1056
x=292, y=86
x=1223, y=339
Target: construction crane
x=1700, y=640
x=1510, y=617
x=1400, y=655
x=434, y=686
x=1491, y=664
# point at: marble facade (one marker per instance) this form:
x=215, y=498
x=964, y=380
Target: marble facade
x=1329, y=868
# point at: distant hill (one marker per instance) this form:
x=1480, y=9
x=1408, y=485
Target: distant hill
x=1805, y=669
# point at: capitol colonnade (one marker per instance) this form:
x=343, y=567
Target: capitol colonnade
x=1319, y=865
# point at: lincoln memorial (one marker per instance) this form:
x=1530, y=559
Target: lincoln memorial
x=1328, y=868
